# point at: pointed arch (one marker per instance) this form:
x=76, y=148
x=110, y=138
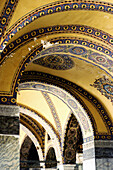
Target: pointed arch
x=73, y=104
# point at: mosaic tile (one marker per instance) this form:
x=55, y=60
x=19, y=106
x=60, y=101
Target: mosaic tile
x=105, y=86
x=55, y=61
x=58, y=7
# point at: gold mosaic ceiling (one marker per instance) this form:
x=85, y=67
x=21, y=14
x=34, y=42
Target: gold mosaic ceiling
x=80, y=30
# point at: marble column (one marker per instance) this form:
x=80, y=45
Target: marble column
x=9, y=137
x=98, y=155
x=89, y=156
x=104, y=154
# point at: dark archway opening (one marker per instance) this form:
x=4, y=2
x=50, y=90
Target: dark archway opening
x=51, y=159
x=28, y=155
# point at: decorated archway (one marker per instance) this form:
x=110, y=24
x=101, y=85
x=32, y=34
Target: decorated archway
x=78, y=111
x=63, y=43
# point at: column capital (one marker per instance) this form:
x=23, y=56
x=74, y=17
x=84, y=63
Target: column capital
x=104, y=149
x=9, y=110
x=104, y=143
x=9, y=120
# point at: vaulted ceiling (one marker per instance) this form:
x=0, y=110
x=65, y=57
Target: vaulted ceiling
x=64, y=43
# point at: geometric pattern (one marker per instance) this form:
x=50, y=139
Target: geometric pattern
x=58, y=61
x=105, y=86
x=73, y=140
x=64, y=29
x=55, y=61
x=6, y=14
x=53, y=111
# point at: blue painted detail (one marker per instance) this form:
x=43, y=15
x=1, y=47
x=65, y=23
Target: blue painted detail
x=59, y=7
x=29, y=36
x=55, y=61
x=78, y=50
x=108, y=88
x=105, y=86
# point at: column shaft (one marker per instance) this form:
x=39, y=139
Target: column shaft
x=9, y=137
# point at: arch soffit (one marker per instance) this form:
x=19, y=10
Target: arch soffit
x=32, y=55
x=59, y=7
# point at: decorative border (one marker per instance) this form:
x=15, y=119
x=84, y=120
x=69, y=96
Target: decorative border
x=75, y=138
x=53, y=111
x=35, y=52
x=55, y=7
x=6, y=15
x=71, y=51
x=73, y=89
x=10, y=98
x=54, y=80
x=90, y=31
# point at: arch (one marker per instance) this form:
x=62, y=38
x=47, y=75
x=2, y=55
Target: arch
x=72, y=103
x=34, y=52
x=51, y=156
x=30, y=36
x=34, y=127
x=94, y=25
x=49, y=129
x=49, y=145
x=53, y=111
x=38, y=49
x=74, y=90
x=35, y=141
x=28, y=152
x=56, y=8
